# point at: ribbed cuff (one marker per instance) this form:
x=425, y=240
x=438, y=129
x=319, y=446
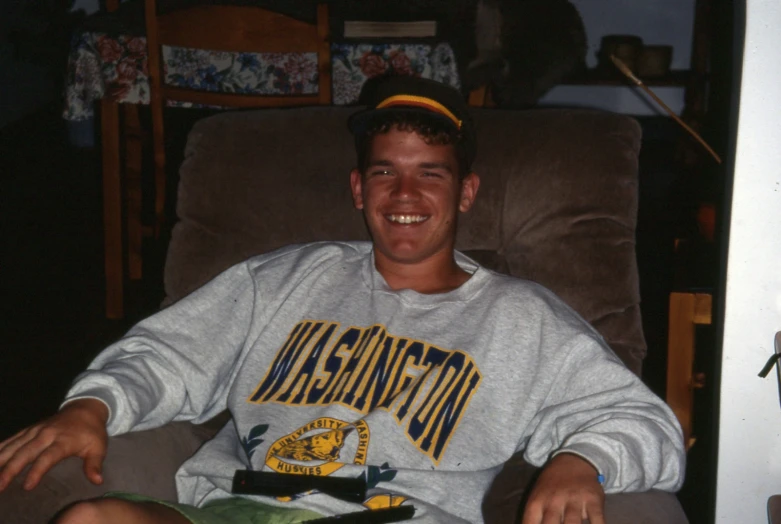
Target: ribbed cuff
x=102, y=396
x=593, y=455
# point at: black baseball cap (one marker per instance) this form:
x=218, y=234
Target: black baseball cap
x=413, y=94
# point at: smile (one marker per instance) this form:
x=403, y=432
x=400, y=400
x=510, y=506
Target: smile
x=407, y=219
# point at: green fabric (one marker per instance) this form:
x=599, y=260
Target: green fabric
x=229, y=511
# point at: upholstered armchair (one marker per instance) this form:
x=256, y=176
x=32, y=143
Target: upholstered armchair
x=557, y=204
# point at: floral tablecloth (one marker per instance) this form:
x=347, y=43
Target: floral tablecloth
x=116, y=66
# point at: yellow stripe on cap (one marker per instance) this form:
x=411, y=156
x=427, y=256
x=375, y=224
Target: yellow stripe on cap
x=419, y=101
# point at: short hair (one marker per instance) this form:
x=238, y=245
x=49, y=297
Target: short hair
x=431, y=130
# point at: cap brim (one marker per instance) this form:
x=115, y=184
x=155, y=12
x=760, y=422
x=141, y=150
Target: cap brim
x=359, y=122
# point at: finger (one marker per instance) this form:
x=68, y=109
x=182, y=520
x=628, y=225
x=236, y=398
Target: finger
x=532, y=513
x=594, y=512
x=24, y=455
x=14, y=437
x=10, y=445
x=93, y=467
x=574, y=513
x=9, y=440
x=553, y=515
x=43, y=463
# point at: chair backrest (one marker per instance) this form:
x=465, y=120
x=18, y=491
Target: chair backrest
x=236, y=29
x=557, y=202
x=226, y=28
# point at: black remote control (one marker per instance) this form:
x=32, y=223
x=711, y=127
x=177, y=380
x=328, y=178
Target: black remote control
x=373, y=516
x=247, y=482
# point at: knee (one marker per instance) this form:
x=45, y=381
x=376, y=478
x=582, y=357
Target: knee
x=95, y=511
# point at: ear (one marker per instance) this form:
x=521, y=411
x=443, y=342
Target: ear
x=356, y=186
x=469, y=186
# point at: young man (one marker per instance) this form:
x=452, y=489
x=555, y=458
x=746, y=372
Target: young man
x=400, y=362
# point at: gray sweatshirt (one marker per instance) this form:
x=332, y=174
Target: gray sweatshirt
x=327, y=371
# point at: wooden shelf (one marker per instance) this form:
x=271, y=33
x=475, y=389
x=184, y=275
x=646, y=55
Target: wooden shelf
x=599, y=77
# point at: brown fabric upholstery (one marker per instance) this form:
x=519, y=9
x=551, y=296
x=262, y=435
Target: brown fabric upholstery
x=142, y=462
x=557, y=202
x=774, y=509
x=505, y=500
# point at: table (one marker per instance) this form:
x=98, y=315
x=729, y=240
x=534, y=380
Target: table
x=108, y=65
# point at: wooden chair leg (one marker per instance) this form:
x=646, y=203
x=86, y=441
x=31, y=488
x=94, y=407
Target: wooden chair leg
x=323, y=54
x=687, y=310
x=158, y=149
x=477, y=97
x=133, y=138
x=112, y=209
x=481, y=97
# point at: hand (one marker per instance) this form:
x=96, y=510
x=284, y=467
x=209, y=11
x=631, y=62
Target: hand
x=567, y=491
x=78, y=429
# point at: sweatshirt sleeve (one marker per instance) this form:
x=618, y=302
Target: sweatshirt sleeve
x=177, y=364
x=598, y=409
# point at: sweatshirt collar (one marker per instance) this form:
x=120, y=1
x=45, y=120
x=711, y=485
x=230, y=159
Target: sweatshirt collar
x=377, y=284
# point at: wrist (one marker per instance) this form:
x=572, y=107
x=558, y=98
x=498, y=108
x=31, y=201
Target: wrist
x=579, y=465
x=92, y=407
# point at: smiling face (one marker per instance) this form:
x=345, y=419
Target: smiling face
x=410, y=194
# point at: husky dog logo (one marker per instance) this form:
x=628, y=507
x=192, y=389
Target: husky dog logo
x=317, y=448
x=321, y=446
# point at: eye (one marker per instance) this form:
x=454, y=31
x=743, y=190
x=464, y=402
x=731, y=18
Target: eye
x=432, y=174
x=381, y=172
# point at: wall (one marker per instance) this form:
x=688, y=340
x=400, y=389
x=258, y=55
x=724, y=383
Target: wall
x=666, y=22
x=749, y=455
x=88, y=6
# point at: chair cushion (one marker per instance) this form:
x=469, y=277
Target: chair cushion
x=505, y=500
x=143, y=462
x=557, y=202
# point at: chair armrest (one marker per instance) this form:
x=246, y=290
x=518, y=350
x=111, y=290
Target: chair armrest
x=774, y=509
x=143, y=462
x=503, y=504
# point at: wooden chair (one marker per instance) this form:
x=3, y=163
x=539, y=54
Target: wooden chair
x=118, y=134
x=480, y=97
x=233, y=29
x=687, y=311
x=211, y=27
x=225, y=28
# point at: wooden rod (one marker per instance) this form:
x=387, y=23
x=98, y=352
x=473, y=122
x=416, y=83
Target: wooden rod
x=628, y=72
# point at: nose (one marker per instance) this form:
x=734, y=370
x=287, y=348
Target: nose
x=405, y=188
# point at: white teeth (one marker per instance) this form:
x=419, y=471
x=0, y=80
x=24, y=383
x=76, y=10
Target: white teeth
x=407, y=219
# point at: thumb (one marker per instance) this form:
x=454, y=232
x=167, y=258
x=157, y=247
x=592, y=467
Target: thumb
x=93, y=467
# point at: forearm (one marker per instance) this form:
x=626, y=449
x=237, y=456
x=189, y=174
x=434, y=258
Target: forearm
x=602, y=412
x=636, y=447
x=636, y=459
x=138, y=383
x=177, y=364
